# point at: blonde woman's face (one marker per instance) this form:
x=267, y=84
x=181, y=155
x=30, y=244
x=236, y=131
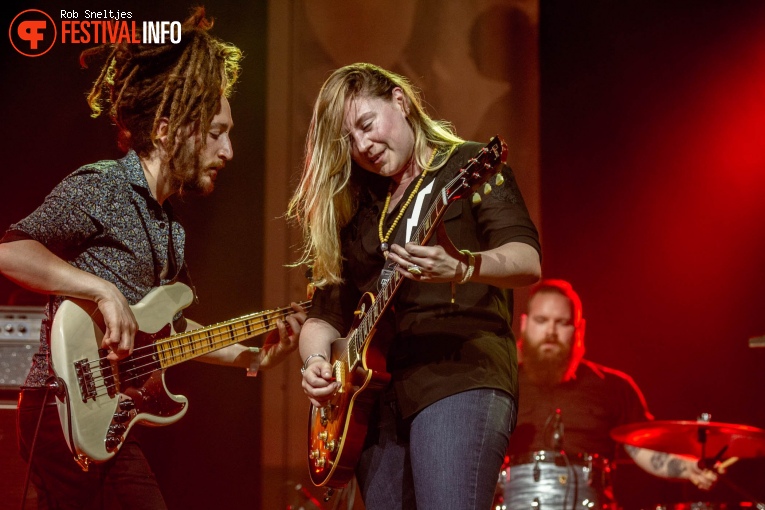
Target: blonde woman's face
x=382, y=141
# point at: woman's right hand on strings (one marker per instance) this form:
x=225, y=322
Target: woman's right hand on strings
x=316, y=339
x=319, y=382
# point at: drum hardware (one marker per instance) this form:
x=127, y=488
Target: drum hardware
x=543, y=480
x=557, y=436
x=695, y=439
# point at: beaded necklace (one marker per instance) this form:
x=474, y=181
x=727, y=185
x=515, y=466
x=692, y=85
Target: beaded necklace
x=384, y=238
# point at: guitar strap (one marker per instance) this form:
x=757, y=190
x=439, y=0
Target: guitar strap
x=407, y=227
x=422, y=203
x=183, y=274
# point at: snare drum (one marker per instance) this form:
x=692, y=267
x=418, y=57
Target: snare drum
x=547, y=480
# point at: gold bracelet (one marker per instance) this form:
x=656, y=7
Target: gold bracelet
x=471, y=266
x=468, y=272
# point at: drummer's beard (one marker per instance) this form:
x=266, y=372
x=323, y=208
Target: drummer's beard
x=547, y=368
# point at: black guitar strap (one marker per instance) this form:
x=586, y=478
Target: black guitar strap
x=426, y=196
x=408, y=224
x=183, y=274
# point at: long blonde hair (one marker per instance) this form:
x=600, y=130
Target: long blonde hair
x=325, y=200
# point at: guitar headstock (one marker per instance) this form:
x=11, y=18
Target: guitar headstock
x=478, y=171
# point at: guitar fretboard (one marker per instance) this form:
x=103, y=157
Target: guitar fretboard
x=495, y=152
x=358, y=338
x=192, y=344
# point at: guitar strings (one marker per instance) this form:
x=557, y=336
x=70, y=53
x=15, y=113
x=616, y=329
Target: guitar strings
x=240, y=333
x=234, y=334
x=262, y=316
x=396, y=278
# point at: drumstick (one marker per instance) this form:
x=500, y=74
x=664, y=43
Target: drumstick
x=726, y=463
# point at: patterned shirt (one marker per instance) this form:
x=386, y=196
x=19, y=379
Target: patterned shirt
x=103, y=219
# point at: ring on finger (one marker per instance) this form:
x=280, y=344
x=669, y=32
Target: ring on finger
x=415, y=270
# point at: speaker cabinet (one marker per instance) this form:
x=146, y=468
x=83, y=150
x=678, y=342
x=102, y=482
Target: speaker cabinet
x=19, y=340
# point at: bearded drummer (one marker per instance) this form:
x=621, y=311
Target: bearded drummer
x=558, y=386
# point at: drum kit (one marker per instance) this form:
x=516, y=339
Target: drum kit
x=544, y=480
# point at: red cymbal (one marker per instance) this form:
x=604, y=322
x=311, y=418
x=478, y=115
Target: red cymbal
x=687, y=438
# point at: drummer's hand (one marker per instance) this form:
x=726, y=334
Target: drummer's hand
x=704, y=479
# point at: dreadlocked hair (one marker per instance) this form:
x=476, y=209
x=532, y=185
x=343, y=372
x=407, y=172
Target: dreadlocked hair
x=141, y=84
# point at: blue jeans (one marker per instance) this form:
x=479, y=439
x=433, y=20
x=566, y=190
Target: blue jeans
x=447, y=457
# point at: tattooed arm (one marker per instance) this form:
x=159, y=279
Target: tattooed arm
x=669, y=465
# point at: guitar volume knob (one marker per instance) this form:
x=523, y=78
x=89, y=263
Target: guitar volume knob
x=112, y=442
x=127, y=405
x=116, y=429
x=121, y=416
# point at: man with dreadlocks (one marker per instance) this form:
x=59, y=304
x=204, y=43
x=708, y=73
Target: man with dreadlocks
x=107, y=234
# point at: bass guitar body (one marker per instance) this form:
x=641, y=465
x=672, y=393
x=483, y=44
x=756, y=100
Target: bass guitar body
x=99, y=400
x=103, y=399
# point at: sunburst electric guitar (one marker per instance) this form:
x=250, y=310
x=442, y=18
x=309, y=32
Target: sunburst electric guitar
x=99, y=400
x=337, y=429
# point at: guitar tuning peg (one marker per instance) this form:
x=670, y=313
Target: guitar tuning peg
x=499, y=180
x=475, y=199
x=486, y=188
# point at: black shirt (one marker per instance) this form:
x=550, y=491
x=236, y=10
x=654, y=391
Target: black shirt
x=439, y=348
x=595, y=401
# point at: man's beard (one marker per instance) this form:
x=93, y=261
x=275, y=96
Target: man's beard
x=546, y=369
x=187, y=171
